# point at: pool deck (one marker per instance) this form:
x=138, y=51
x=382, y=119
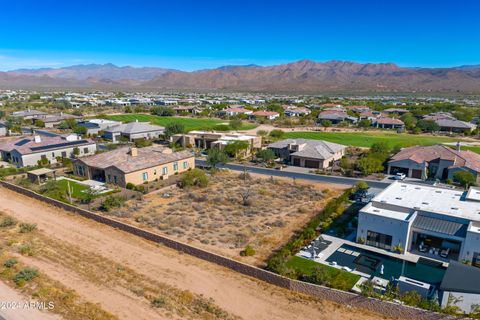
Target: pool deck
x=338, y=242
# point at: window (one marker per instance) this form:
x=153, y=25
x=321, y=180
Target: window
x=379, y=240
x=115, y=179
x=109, y=178
x=64, y=154
x=53, y=154
x=85, y=150
x=164, y=170
x=175, y=166
x=185, y=164
x=145, y=176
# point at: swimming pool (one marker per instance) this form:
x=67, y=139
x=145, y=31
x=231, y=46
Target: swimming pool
x=371, y=263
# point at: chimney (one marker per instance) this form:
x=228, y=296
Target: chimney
x=458, y=146
x=37, y=139
x=133, y=152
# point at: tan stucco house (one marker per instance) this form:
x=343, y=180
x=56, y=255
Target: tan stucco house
x=132, y=165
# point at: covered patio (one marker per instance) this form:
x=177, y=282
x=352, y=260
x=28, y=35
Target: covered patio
x=436, y=238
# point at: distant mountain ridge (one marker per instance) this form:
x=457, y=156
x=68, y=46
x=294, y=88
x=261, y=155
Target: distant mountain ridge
x=304, y=76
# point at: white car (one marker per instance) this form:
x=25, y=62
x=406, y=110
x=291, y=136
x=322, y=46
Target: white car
x=399, y=176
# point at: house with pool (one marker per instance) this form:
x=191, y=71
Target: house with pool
x=435, y=222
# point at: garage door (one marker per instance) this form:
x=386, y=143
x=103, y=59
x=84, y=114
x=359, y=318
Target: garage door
x=312, y=164
x=296, y=162
x=417, y=174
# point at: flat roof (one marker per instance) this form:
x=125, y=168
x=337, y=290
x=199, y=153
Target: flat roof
x=460, y=277
x=399, y=215
x=427, y=198
x=473, y=194
x=40, y=171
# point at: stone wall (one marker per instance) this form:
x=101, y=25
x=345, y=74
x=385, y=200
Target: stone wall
x=388, y=309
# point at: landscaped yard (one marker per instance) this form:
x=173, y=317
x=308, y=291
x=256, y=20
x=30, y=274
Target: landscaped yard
x=340, y=278
x=366, y=139
x=77, y=189
x=231, y=213
x=190, y=123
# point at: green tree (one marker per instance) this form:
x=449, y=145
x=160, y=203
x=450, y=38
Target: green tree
x=326, y=124
x=40, y=123
x=266, y=155
x=80, y=130
x=428, y=125
x=235, y=124
x=276, y=134
x=381, y=149
x=465, y=178
x=195, y=177
x=362, y=185
x=365, y=123
x=163, y=111
x=368, y=165
x=76, y=151
x=409, y=120
x=174, y=128
x=234, y=148
x=215, y=157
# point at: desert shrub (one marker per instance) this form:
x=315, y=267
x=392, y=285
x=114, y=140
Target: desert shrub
x=248, y=251
x=140, y=188
x=130, y=186
x=25, y=275
x=195, y=177
x=159, y=302
x=112, y=202
x=26, y=250
x=8, y=222
x=27, y=227
x=10, y=263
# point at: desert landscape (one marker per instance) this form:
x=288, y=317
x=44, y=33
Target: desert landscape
x=232, y=212
x=102, y=264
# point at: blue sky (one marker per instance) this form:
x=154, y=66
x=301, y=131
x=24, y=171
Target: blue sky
x=190, y=35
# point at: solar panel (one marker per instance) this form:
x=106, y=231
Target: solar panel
x=59, y=145
x=22, y=142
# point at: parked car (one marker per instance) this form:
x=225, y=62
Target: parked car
x=399, y=176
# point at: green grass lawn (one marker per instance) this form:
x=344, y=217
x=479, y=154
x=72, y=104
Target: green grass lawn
x=189, y=123
x=366, y=139
x=76, y=188
x=339, y=279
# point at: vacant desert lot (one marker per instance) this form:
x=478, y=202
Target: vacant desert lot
x=115, y=292
x=233, y=212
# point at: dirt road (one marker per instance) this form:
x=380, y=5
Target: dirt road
x=237, y=294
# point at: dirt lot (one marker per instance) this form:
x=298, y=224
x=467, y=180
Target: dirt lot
x=236, y=294
x=233, y=212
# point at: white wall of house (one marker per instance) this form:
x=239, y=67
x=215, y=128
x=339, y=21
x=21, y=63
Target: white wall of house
x=466, y=300
x=471, y=245
x=146, y=135
x=33, y=158
x=399, y=230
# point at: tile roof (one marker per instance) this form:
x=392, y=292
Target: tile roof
x=387, y=120
x=317, y=149
x=146, y=158
x=265, y=113
x=419, y=154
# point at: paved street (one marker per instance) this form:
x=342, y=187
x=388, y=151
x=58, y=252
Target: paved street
x=300, y=175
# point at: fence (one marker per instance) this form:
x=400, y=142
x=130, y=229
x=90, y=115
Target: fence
x=386, y=308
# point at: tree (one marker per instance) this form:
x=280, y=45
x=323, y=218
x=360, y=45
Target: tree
x=266, y=155
x=76, y=151
x=235, y=124
x=326, y=124
x=428, y=125
x=276, y=134
x=362, y=185
x=40, y=123
x=465, y=178
x=365, y=123
x=409, y=120
x=234, y=148
x=369, y=164
x=195, y=177
x=381, y=149
x=163, y=111
x=174, y=128
x=80, y=130
x=215, y=157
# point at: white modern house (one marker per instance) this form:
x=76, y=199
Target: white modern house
x=438, y=223
x=27, y=151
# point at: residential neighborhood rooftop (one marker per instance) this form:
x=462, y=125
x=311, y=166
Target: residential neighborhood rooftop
x=317, y=149
x=135, y=127
x=127, y=161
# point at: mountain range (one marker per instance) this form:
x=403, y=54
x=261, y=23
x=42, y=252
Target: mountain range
x=303, y=76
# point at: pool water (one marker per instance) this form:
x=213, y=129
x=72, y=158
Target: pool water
x=371, y=263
